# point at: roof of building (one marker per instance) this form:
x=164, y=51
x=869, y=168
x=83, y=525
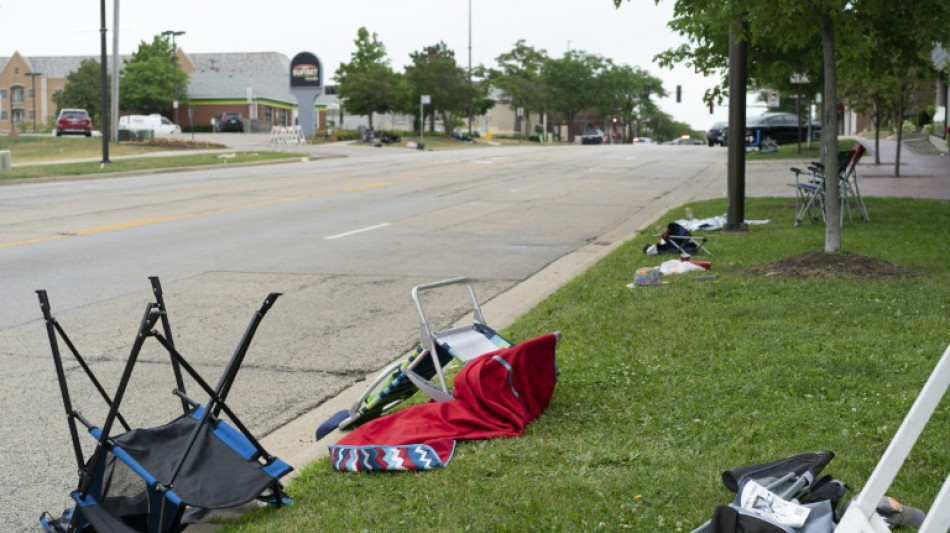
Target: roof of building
x=217, y=75
x=258, y=63
x=206, y=85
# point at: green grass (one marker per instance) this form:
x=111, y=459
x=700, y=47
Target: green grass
x=54, y=154
x=46, y=148
x=663, y=388
x=790, y=151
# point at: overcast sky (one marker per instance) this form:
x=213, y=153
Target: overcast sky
x=630, y=35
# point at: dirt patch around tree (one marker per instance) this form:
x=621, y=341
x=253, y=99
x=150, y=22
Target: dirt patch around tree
x=813, y=265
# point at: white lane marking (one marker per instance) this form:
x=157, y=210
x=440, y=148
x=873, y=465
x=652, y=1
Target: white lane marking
x=354, y=232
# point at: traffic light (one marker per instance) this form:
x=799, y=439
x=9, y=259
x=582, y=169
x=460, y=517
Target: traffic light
x=614, y=120
x=710, y=106
x=679, y=93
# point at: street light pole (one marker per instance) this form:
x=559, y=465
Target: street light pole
x=174, y=67
x=103, y=83
x=471, y=95
x=33, y=84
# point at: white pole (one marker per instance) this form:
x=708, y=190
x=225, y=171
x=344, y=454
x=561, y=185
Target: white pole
x=115, y=70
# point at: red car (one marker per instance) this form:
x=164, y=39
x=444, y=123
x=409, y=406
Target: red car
x=75, y=121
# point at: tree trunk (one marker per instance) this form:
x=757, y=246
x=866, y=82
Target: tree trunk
x=877, y=137
x=900, y=130
x=446, y=122
x=829, y=134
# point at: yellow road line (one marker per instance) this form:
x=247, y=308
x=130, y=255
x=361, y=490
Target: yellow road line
x=158, y=220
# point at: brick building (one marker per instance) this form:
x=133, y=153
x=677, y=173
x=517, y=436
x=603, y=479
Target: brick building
x=255, y=84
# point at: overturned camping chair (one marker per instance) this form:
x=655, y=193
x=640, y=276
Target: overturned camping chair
x=423, y=369
x=796, y=477
x=810, y=188
x=677, y=240
x=158, y=479
x=862, y=514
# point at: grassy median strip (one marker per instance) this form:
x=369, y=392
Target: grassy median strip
x=663, y=388
x=144, y=163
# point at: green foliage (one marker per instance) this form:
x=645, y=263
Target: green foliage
x=367, y=84
x=663, y=388
x=148, y=83
x=434, y=72
x=571, y=83
x=519, y=78
x=83, y=91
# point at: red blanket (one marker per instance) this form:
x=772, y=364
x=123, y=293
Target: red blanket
x=496, y=395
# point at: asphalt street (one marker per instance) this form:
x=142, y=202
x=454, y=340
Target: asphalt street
x=344, y=236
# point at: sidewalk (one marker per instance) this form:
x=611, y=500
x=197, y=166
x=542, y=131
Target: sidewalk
x=923, y=173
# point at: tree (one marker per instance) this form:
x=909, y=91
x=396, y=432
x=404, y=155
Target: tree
x=434, y=72
x=367, y=84
x=571, y=85
x=148, y=81
x=778, y=31
x=624, y=93
x=519, y=79
x=83, y=90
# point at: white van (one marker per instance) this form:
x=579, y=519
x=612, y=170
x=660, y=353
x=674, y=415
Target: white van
x=155, y=122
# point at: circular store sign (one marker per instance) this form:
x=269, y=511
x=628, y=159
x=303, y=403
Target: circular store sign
x=306, y=71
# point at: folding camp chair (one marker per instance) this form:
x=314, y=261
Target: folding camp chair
x=437, y=348
x=850, y=192
x=677, y=240
x=794, y=478
x=762, y=143
x=862, y=515
x=810, y=188
x=158, y=479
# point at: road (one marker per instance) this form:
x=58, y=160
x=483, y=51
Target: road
x=343, y=239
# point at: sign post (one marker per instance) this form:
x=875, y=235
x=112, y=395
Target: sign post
x=306, y=83
x=426, y=99
x=799, y=80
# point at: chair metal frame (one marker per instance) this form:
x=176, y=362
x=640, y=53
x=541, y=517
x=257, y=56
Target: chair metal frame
x=862, y=516
x=239, y=439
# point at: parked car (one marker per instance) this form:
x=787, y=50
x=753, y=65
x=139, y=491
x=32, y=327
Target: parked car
x=717, y=134
x=73, y=121
x=594, y=136
x=684, y=140
x=229, y=122
x=779, y=127
x=154, y=122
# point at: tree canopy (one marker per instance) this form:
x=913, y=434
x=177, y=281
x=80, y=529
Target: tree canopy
x=805, y=36
x=434, y=72
x=367, y=84
x=526, y=78
x=147, y=80
x=83, y=90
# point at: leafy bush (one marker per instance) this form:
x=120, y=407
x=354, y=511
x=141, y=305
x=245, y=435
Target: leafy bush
x=909, y=126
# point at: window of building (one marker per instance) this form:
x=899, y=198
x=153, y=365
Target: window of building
x=18, y=116
x=16, y=95
x=32, y=116
x=3, y=114
x=31, y=94
x=3, y=94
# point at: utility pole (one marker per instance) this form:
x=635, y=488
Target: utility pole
x=115, y=70
x=174, y=67
x=471, y=94
x=103, y=83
